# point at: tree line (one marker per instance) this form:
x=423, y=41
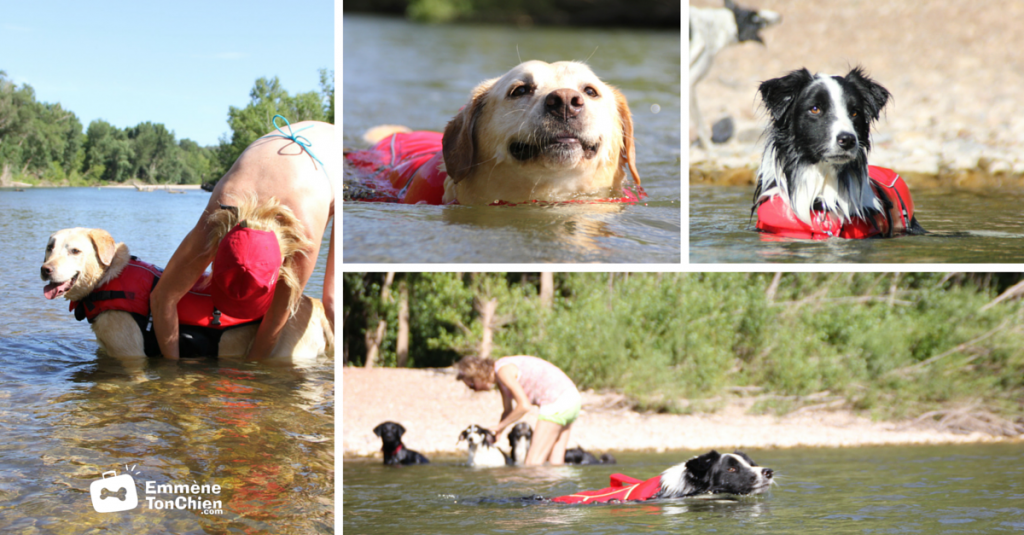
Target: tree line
x=893, y=343
x=43, y=143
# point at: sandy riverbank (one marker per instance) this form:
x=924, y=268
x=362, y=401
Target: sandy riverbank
x=955, y=71
x=434, y=408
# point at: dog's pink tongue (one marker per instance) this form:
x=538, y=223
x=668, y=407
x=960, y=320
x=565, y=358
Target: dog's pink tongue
x=54, y=290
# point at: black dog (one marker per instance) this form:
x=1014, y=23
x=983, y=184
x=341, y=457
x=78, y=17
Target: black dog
x=578, y=455
x=394, y=451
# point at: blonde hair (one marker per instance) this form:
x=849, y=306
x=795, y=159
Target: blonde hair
x=269, y=215
x=475, y=368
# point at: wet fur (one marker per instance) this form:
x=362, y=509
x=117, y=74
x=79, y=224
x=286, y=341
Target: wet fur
x=482, y=453
x=502, y=144
x=715, y=473
x=395, y=452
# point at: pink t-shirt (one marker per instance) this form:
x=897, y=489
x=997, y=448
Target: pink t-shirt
x=542, y=381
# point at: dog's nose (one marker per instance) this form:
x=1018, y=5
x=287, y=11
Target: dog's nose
x=45, y=272
x=846, y=140
x=564, y=103
x=768, y=472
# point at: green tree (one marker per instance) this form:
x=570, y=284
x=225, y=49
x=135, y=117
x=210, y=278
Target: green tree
x=109, y=154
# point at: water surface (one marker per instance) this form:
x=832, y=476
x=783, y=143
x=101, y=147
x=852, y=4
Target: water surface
x=928, y=490
x=417, y=75
x=68, y=412
x=964, y=226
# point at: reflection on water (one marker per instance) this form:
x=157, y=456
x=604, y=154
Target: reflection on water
x=932, y=489
x=964, y=227
x=419, y=76
x=68, y=412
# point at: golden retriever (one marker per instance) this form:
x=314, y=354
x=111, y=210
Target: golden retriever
x=543, y=131
x=79, y=260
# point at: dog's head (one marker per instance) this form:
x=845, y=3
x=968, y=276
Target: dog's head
x=390, y=433
x=521, y=431
x=547, y=131
x=476, y=436
x=750, y=22
x=715, y=473
x=78, y=260
x=827, y=118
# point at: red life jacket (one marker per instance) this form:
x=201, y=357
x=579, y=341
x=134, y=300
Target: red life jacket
x=623, y=488
x=774, y=216
x=405, y=168
x=130, y=292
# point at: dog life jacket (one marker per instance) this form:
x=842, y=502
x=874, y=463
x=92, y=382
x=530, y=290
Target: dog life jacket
x=774, y=216
x=407, y=168
x=200, y=323
x=623, y=488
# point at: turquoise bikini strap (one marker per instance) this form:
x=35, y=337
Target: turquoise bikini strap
x=301, y=140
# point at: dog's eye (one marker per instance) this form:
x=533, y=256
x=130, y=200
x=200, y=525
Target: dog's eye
x=591, y=92
x=815, y=110
x=854, y=114
x=732, y=468
x=75, y=251
x=520, y=90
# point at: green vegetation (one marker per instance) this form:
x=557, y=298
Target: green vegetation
x=895, y=345
x=638, y=13
x=43, y=144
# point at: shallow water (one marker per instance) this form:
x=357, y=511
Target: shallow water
x=932, y=489
x=396, y=72
x=69, y=413
x=964, y=227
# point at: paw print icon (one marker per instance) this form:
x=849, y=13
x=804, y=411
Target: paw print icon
x=114, y=493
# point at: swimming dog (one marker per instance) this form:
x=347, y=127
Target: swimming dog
x=482, y=452
x=710, y=473
x=395, y=452
x=547, y=132
x=711, y=30
x=814, y=180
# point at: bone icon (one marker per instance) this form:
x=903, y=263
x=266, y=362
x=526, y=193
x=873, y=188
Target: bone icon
x=120, y=495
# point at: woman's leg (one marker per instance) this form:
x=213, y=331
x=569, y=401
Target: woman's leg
x=557, y=456
x=545, y=437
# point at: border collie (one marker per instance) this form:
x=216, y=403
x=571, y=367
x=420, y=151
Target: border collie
x=710, y=473
x=817, y=143
x=482, y=451
x=395, y=452
x=711, y=30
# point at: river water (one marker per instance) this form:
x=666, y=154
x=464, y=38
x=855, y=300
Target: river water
x=921, y=489
x=964, y=227
x=418, y=75
x=69, y=413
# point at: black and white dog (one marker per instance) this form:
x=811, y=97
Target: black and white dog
x=521, y=436
x=482, y=451
x=716, y=473
x=711, y=30
x=395, y=452
x=817, y=143
x=711, y=473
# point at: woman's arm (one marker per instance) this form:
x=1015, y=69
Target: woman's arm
x=183, y=270
x=508, y=375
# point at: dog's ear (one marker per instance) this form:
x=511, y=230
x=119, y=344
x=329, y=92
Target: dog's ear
x=700, y=466
x=489, y=437
x=104, y=244
x=779, y=94
x=745, y=457
x=379, y=429
x=875, y=96
x=628, y=142
x=458, y=143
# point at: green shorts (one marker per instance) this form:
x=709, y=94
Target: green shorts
x=564, y=410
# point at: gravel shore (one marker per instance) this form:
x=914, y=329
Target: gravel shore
x=434, y=408
x=955, y=70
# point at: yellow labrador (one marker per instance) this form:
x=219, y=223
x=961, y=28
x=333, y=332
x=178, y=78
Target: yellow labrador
x=544, y=131
x=80, y=260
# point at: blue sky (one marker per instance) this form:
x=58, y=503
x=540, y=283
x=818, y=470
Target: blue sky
x=180, y=63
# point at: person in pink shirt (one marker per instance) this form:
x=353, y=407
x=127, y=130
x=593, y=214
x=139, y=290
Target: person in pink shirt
x=529, y=381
